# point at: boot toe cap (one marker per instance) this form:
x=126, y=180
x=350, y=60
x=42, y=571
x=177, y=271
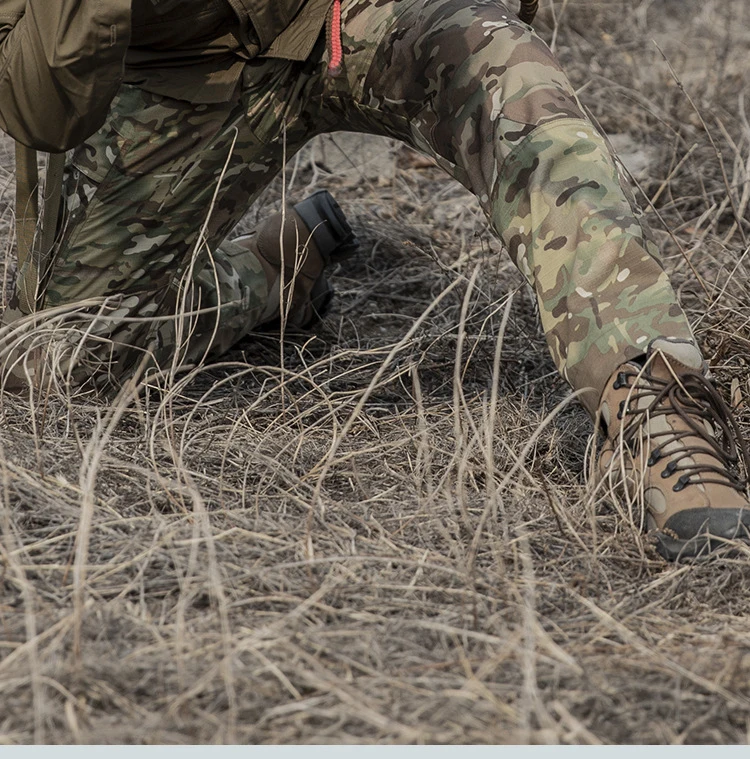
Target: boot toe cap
x=697, y=532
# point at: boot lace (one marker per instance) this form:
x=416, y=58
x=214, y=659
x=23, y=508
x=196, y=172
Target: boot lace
x=695, y=400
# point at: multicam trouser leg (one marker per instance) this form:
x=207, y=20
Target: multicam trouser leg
x=148, y=198
x=471, y=85
x=464, y=82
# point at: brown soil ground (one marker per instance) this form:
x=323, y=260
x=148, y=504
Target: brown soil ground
x=370, y=535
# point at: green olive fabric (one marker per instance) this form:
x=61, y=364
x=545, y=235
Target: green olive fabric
x=60, y=69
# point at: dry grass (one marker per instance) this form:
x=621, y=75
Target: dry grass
x=389, y=538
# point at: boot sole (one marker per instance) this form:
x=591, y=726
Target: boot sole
x=701, y=547
x=696, y=533
x=323, y=216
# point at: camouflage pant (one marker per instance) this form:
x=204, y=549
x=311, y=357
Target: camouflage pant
x=464, y=82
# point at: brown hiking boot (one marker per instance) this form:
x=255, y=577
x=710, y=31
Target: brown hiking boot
x=315, y=234
x=674, y=446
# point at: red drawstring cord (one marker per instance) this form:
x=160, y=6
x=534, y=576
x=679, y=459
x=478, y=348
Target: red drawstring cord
x=334, y=34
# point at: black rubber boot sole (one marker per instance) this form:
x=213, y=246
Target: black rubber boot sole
x=331, y=232
x=698, y=533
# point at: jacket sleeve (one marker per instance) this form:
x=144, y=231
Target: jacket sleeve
x=59, y=69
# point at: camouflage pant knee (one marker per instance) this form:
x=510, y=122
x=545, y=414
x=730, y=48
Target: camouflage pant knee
x=153, y=194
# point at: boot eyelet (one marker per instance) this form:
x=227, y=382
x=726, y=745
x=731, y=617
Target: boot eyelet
x=621, y=411
x=681, y=483
x=669, y=470
x=620, y=381
x=654, y=457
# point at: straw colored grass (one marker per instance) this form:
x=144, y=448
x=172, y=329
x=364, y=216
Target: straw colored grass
x=383, y=532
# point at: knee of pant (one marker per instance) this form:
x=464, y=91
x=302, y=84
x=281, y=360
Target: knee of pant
x=477, y=60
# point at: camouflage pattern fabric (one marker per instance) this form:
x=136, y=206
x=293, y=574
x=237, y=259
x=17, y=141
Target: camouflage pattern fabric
x=153, y=194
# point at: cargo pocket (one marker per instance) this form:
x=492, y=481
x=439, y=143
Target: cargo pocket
x=268, y=94
x=145, y=135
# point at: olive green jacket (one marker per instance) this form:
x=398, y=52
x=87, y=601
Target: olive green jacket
x=60, y=69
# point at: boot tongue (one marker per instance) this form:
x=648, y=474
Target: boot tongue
x=681, y=355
